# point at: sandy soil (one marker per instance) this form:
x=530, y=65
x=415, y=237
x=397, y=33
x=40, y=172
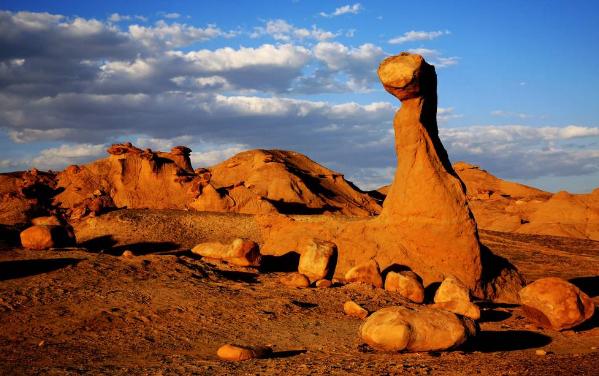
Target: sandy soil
x=166, y=312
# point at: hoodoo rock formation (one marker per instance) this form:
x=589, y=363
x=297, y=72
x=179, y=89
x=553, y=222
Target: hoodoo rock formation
x=426, y=223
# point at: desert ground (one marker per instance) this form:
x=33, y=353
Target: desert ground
x=166, y=311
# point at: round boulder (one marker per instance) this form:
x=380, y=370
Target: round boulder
x=415, y=329
x=556, y=303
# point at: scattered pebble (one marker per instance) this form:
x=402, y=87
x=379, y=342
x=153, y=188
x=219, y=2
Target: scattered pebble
x=127, y=254
x=237, y=353
x=323, y=283
x=540, y=352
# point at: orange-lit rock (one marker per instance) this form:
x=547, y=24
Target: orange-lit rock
x=317, y=260
x=352, y=308
x=367, y=272
x=415, y=329
x=556, y=303
x=407, y=284
x=46, y=236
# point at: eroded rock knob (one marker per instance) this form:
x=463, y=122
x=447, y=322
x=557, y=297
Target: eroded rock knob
x=407, y=76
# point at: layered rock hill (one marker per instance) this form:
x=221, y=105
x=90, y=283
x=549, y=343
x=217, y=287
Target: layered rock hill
x=426, y=223
x=252, y=182
x=500, y=205
x=511, y=207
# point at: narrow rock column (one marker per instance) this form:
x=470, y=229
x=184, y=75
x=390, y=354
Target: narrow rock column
x=427, y=199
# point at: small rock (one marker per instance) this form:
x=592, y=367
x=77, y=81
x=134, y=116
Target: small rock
x=46, y=236
x=594, y=348
x=368, y=272
x=352, y=308
x=460, y=307
x=415, y=329
x=323, y=283
x=295, y=280
x=240, y=252
x=127, y=254
x=556, y=303
x=237, y=353
x=41, y=343
x=452, y=289
x=540, y=352
x=316, y=258
x=407, y=284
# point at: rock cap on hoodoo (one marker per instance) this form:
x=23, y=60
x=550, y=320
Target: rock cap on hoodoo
x=406, y=75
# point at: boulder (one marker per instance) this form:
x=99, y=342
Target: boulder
x=452, y=289
x=236, y=353
x=316, y=259
x=368, y=272
x=556, y=303
x=46, y=236
x=352, y=308
x=240, y=252
x=460, y=307
x=407, y=284
x=415, y=329
x=295, y=280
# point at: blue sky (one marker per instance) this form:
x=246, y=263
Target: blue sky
x=517, y=82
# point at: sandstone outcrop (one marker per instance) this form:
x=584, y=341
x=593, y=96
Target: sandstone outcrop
x=407, y=284
x=317, y=260
x=425, y=223
x=556, y=303
x=25, y=195
x=415, y=329
x=252, y=182
x=240, y=252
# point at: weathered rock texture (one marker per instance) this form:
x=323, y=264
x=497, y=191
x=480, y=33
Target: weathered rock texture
x=425, y=223
x=415, y=329
x=556, y=303
x=252, y=182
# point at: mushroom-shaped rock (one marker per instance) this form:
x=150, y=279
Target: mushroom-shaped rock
x=368, y=273
x=46, y=236
x=452, y=289
x=415, y=329
x=407, y=76
x=556, y=303
x=295, y=280
x=316, y=259
x=407, y=284
x=352, y=308
x=240, y=252
x=461, y=307
x=236, y=353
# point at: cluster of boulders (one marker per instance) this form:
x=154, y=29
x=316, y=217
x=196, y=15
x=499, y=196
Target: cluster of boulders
x=446, y=323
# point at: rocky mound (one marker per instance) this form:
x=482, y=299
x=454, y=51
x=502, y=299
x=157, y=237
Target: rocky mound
x=252, y=182
x=501, y=205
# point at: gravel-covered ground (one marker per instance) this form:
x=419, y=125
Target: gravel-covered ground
x=166, y=312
